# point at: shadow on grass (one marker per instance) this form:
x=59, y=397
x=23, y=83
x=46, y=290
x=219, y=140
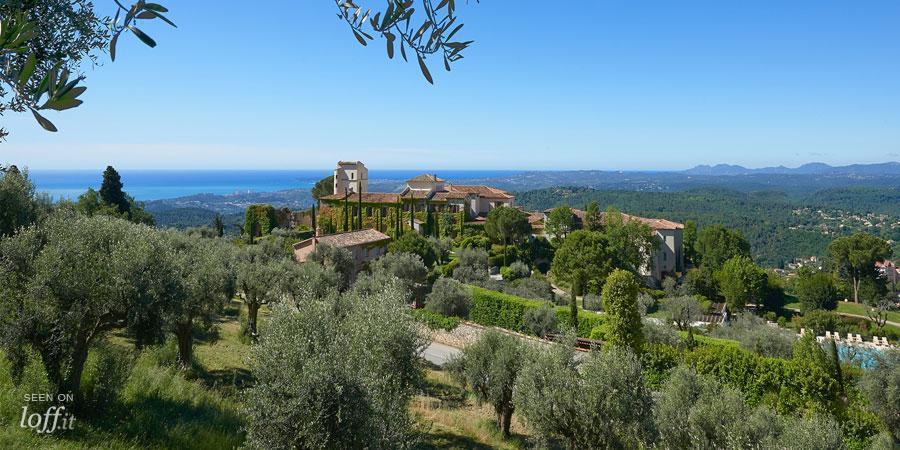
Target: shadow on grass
x=445, y=439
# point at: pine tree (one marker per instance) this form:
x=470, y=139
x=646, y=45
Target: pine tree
x=111, y=190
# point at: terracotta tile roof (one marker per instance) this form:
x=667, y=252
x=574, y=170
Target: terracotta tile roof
x=535, y=217
x=444, y=195
x=367, y=197
x=412, y=193
x=426, y=177
x=656, y=224
x=349, y=239
x=347, y=163
x=482, y=191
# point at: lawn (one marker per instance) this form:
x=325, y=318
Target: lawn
x=860, y=310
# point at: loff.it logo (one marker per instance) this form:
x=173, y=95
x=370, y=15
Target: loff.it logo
x=53, y=419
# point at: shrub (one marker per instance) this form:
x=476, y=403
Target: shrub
x=790, y=384
x=756, y=335
x=530, y=288
x=819, y=321
x=436, y=321
x=593, y=302
x=472, y=266
x=414, y=243
x=658, y=333
x=541, y=321
x=516, y=271
x=449, y=298
x=106, y=372
x=881, y=386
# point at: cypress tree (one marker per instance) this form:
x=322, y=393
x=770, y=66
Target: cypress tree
x=429, y=219
x=111, y=190
x=313, y=220
x=573, y=310
x=359, y=222
x=346, y=211
x=412, y=215
x=219, y=226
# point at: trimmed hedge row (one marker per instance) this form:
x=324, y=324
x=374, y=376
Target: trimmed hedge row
x=435, y=321
x=492, y=308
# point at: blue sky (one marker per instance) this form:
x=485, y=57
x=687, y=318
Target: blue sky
x=547, y=85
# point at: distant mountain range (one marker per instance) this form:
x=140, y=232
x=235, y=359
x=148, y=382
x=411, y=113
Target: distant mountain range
x=815, y=168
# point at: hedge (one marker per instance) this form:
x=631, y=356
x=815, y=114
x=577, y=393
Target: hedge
x=492, y=308
x=435, y=321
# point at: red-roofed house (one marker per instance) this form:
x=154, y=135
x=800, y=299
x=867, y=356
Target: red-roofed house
x=666, y=260
x=423, y=194
x=365, y=245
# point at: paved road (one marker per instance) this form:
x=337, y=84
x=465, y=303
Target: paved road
x=439, y=354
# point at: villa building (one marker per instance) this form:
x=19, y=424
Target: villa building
x=667, y=260
x=421, y=196
x=365, y=246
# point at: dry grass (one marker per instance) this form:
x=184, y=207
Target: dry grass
x=450, y=418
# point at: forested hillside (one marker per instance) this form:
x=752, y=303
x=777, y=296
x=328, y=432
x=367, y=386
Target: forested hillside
x=778, y=227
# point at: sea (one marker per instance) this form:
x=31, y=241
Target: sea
x=148, y=185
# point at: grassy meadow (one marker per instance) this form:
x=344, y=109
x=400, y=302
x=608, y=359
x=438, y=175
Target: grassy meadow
x=160, y=407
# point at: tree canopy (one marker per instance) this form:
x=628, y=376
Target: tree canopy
x=560, y=222
x=854, y=257
x=741, y=281
x=717, y=244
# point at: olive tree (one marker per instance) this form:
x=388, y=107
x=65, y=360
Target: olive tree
x=69, y=281
x=682, y=310
x=20, y=205
x=489, y=367
x=337, y=373
x=881, y=386
x=472, y=267
x=600, y=402
x=407, y=267
x=337, y=259
x=200, y=287
x=450, y=298
x=695, y=411
x=261, y=269
x=302, y=283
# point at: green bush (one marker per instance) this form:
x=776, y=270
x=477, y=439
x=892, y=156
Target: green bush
x=106, y=373
x=492, y=308
x=791, y=384
x=436, y=321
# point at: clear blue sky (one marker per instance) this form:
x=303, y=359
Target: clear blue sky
x=605, y=85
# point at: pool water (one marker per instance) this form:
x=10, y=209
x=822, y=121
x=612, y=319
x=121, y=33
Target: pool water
x=861, y=356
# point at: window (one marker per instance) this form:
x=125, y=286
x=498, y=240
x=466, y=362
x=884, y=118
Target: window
x=351, y=175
